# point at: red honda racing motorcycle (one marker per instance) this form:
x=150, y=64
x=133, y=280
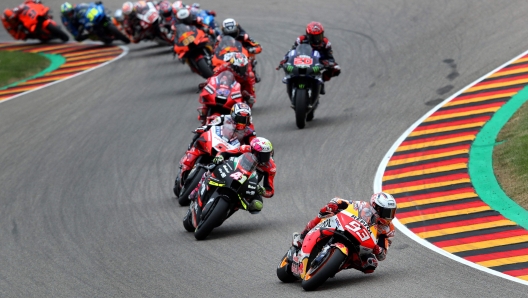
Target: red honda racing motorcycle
x=337, y=243
x=218, y=96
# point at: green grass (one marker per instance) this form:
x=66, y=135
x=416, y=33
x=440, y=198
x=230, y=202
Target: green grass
x=510, y=158
x=15, y=66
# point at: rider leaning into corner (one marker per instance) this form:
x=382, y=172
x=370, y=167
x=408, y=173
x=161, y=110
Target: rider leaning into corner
x=131, y=22
x=13, y=25
x=238, y=64
x=315, y=38
x=379, y=214
x=262, y=150
x=71, y=16
x=11, y=19
x=239, y=124
x=231, y=28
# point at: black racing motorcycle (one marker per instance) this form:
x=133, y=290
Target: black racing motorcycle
x=303, y=80
x=228, y=187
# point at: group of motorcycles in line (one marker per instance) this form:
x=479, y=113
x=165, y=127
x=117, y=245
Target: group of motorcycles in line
x=341, y=239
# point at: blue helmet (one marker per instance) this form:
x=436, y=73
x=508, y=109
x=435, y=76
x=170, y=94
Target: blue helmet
x=66, y=9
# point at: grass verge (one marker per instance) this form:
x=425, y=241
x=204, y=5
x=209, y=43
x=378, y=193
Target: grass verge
x=15, y=66
x=510, y=157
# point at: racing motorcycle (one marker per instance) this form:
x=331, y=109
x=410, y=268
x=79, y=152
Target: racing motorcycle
x=303, y=80
x=211, y=142
x=38, y=22
x=149, y=20
x=229, y=186
x=228, y=44
x=194, y=48
x=337, y=243
x=99, y=26
x=218, y=96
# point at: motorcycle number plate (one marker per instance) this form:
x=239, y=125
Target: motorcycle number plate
x=91, y=14
x=188, y=40
x=152, y=17
x=302, y=61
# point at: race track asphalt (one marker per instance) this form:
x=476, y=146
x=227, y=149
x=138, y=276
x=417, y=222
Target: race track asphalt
x=86, y=207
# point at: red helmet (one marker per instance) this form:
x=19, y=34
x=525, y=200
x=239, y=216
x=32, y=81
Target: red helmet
x=241, y=115
x=315, y=32
x=8, y=14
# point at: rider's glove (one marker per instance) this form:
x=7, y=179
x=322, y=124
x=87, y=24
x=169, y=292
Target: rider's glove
x=212, y=12
x=218, y=159
x=332, y=207
x=261, y=190
x=289, y=68
x=316, y=69
x=252, y=50
x=245, y=148
x=98, y=2
x=281, y=64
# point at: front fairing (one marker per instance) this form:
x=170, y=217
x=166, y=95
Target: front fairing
x=227, y=45
x=238, y=175
x=303, y=62
x=221, y=90
x=216, y=140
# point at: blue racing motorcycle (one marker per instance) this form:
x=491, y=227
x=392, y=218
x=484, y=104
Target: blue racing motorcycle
x=99, y=26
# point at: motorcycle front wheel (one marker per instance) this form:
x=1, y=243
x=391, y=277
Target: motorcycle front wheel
x=301, y=106
x=213, y=219
x=189, y=186
x=57, y=32
x=204, y=69
x=284, y=270
x=327, y=268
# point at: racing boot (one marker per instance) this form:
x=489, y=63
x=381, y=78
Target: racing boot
x=322, y=91
x=255, y=206
x=369, y=263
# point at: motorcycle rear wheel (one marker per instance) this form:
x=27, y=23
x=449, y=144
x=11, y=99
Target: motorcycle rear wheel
x=213, y=219
x=325, y=270
x=57, y=32
x=301, y=106
x=284, y=270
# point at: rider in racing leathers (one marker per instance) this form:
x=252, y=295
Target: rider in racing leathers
x=315, y=37
x=70, y=16
x=13, y=25
x=232, y=28
x=262, y=150
x=239, y=66
x=378, y=213
x=238, y=123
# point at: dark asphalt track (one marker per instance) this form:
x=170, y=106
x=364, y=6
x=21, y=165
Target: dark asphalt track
x=87, y=165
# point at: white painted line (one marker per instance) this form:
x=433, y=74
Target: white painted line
x=125, y=51
x=383, y=165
